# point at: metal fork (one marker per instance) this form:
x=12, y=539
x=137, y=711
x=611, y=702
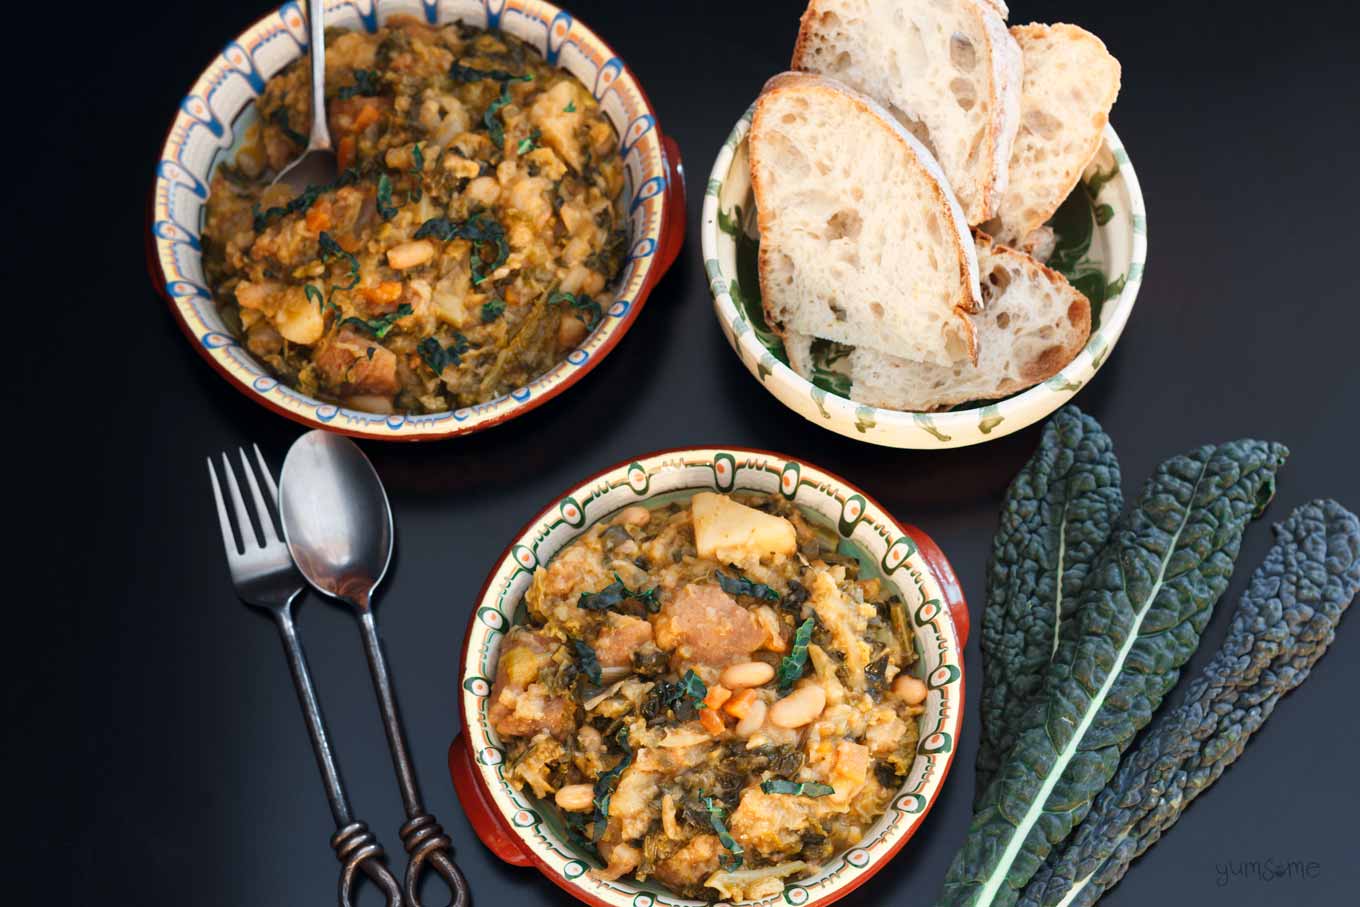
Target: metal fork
x=265, y=577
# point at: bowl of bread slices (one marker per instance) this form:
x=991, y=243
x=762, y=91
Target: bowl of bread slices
x=927, y=234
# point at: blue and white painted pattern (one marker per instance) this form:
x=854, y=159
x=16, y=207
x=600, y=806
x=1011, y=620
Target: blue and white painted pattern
x=1119, y=247
x=220, y=105
x=676, y=474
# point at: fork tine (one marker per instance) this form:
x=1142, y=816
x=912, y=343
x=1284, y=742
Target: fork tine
x=239, y=504
x=261, y=511
x=228, y=537
x=268, y=476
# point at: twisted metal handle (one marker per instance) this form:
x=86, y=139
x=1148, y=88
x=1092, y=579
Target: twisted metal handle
x=358, y=850
x=427, y=844
x=356, y=847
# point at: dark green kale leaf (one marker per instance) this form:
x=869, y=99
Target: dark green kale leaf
x=379, y=326
x=1286, y=620
x=439, y=357
x=875, y=676
x=795, y=596
x=587, y=308
x=467, y=74
x=280, y=119
x=386, y=210
x=1138, y=619
x=587, y=664
x=716, y=814
x=740, y=585
x=482, y=230
x=492, y=309
x=303, y=200
x=495, y=127
x=608, y=781
x=615, y=594
x=1057, y=516
x=797, y=788
x=679, y=699
x=366, y=83
x=792, y=665
x=331, y=250
x=528, y=144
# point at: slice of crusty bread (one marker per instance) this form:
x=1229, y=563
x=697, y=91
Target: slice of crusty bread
x=861, y=241
x=949, y=67
x=1070, y=84
x=1033, y=324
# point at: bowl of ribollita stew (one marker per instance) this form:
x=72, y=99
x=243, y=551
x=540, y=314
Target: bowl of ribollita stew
x=504, y=205
x=710, y=674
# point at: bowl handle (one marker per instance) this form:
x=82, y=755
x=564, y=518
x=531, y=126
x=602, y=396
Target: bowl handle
x=673, y=226
x=944, y=575
x=486, y=819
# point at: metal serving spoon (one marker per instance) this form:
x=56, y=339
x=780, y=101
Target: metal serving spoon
x=339, y=530
x=318, y=165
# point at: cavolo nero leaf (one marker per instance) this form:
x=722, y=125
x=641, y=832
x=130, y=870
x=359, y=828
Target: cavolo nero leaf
x=586, y=662
x=607, y=782
x=741, y=585
x=615, y=594
x=792, y=665
x=1057, y=516
x=1283, y=625
x=716, y=815
x=1139, y=617
x=797, y=788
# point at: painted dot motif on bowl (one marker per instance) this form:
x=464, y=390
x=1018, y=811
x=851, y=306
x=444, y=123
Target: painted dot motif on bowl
x=525, y=558
x=477, y=686
x=492, y=618
x=943, y=675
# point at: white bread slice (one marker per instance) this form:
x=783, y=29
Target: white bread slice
x=1070, y=84
x=861, y=241
x=1034, y=324
x=1001, y=9
x=949, y=67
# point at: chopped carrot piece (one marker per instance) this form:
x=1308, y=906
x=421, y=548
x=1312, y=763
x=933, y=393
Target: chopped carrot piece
x=366, y=118
x=717, y=695
x=385, y=293
x=319, y=216
x=345, y=151
x=740, y=704
x=711, y=721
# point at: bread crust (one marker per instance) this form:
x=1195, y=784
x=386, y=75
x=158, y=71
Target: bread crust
x=836, y=92
x=1034, y=32
x=1048, y=362
x=1006, y=74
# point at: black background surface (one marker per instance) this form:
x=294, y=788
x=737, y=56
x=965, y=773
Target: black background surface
x=153, y=750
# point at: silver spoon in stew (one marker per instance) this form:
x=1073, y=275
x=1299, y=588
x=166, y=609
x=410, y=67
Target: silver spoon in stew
x=338, y=525
x=318, y=165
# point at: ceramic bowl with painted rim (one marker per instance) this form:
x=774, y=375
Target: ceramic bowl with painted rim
x=211, y=122
x=1102, y=250
x=525, y=831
